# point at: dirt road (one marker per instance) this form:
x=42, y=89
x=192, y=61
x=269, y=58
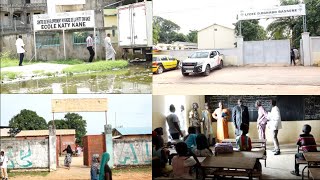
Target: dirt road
x=242, y=81
x=80, y=172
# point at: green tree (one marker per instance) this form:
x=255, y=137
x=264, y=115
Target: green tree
x=179, y=37
x=28, y=120
x=292, y=27
x=167, y=29
x=251, y=30
x=75, y=121
x=59, y=124
x=156, y=33
x=192, y=36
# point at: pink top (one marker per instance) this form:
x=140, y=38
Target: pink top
x=181, y=166
x=262, y=116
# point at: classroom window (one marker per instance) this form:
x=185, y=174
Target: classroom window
x=113, y=33
x=48, y=40
x=6, y=14
x=27, y=1
x=28, y=18
x=80, y=37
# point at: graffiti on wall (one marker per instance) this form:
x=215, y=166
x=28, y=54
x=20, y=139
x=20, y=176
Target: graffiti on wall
x=26, y=153
x=132, y=152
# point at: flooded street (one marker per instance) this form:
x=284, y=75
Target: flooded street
x=134, y=79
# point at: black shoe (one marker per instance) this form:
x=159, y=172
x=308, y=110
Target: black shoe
x=20, y=64
x=295, y=173
x=277, y=153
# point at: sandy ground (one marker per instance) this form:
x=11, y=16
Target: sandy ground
x=246, y=80
x=80, y=172
x=28, y=69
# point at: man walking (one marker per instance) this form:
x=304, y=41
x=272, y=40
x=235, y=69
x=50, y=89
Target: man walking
x=274, y=125
x=110, y=52
x=20, y=49
x=89, y=41
x=240, y=114
x=3, y=166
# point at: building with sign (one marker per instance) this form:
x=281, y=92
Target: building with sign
x=216, y=37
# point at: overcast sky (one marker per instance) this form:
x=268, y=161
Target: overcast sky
x=196, y=15
x=131, y=110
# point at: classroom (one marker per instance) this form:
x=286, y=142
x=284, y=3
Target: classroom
x=228, y=160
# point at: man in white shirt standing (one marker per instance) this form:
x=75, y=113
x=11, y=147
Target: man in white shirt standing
x=89, y=41
x=110, y=52
x=20, y=49
x=274, y=118
x=3, y=165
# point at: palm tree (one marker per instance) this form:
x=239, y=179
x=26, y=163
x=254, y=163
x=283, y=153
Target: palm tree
x=282, y=28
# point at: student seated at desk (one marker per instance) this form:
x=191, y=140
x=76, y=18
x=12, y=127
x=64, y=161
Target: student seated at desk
x=183, y=162
x=159, y=133
x=202, y=149
x=160, y=155
x=190, y=139
x=308, y=144
x=243, y=141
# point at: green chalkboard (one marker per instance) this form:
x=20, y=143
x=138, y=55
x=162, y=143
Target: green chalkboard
x=292, y=108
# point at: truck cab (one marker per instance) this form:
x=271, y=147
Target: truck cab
x=202, y=62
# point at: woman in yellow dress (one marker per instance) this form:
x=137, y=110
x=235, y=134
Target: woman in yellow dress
x=221, y=115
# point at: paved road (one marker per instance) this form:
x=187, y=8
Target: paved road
x=242, y=80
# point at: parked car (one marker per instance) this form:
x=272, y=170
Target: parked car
x=202, y=62
x=161, y=63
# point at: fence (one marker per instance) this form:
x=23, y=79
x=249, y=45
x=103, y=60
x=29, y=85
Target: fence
x=26, y=153
x=132, y=152
x=315, y=50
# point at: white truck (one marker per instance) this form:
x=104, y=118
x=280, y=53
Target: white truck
x=135, y=28
x=202, y=62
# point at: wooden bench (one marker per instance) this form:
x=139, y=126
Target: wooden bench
x=314, y=173
x=233, y=173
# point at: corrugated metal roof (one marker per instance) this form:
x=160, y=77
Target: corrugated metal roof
x=134, y=130
x=23, y=133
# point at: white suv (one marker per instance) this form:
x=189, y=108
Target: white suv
x=202, y=62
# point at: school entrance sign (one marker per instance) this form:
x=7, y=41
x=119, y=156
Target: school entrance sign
x=274, y=12
x=64, y=21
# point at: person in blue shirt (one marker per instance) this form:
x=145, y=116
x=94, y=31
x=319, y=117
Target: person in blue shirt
x=190, y=139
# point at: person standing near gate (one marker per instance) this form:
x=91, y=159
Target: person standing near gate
x=240, y=114
x=20, y=49
x=110, y=52
x=89, y=41
x=3, y=165
x=292, y=57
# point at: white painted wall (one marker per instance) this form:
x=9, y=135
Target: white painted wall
x=216, y=36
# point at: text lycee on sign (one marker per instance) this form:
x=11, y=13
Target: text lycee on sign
x=280, y=11
x=69, y=20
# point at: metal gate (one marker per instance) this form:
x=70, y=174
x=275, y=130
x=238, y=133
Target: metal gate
x=266, y=52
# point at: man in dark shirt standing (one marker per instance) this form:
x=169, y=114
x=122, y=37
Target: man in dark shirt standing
x=240, y=114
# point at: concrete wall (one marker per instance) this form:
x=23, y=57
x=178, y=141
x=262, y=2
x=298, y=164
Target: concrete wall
x=136, y=152
x=315, y=50
x=216, y=36
x=288, y=134
x=26, y=153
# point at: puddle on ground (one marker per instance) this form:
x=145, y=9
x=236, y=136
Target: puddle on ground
x=132, y=80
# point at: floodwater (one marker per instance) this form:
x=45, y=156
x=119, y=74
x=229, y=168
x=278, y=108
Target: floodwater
x=132, y=80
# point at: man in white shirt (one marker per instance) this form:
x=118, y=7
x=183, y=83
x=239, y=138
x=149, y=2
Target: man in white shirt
x=20, y=49
x=3, y=165
x=110, y=52
x=89, y=41
x=274, y=118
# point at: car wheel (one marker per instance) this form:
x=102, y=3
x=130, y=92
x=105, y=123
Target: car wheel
x=185, y=74
x=207, y=71
x=160, y=69
x=221, y=65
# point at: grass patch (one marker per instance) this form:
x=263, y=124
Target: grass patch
x=138, y=169
x=9, y=62
x=38, y=71
x=29, y=173
x=10, y=75
x=68, y=61
x=96, y=66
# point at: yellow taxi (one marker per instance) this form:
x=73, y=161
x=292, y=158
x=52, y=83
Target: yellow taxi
x=161, y=63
